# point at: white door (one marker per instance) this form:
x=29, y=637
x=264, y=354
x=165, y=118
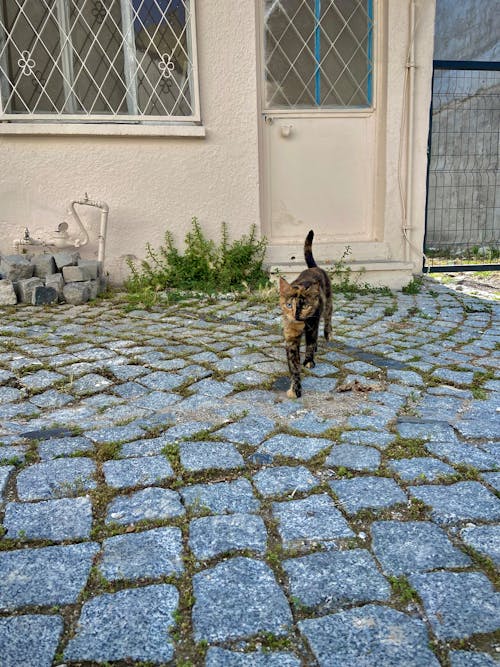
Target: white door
x=318, y=119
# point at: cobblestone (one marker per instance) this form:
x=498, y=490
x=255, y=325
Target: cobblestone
x=163, y=502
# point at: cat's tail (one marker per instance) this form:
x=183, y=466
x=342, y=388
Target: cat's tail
x=308, y=255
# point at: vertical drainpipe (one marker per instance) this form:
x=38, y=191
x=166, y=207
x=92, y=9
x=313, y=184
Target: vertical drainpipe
x=317, y=52
x=410, y=65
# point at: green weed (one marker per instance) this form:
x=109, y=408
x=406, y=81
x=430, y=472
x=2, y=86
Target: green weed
x=205, y=266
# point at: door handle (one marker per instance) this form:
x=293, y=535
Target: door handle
x=286, y=131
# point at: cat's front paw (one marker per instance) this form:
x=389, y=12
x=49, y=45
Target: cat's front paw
x=293, y=393
x=309, y=363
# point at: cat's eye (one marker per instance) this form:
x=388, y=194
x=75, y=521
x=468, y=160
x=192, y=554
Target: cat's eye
x=288, y=305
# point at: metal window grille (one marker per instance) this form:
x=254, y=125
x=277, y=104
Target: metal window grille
x=463, y=208
x=318, y=53
x=124, y=60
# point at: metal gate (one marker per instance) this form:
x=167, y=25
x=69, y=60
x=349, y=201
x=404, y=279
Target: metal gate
x=463, y=200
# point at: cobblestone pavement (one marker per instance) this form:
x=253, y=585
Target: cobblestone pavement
x=163, y=502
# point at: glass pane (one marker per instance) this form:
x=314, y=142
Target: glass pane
x=30, y=57
x=318, y=53
x=163, y=56
x=97, y=57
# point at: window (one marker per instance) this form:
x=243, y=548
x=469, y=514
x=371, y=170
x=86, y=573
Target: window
x=115, y=60
x=318, y=53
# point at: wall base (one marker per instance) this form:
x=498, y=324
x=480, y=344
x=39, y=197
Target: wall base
x=377, y=273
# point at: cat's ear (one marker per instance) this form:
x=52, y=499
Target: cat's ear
x=283, y=285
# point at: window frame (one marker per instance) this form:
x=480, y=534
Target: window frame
x=111, y=123
x=373, y=60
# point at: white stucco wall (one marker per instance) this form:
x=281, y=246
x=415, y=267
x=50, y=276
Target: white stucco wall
x=151, y=183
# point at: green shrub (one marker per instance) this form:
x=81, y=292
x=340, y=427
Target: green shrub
x=205, y=266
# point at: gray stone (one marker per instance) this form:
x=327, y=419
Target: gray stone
x=114, y=626
x=354, y=457
x=212, y=536
x=116, y=434
x=367, y=493
x=361, y=367
x=471, y=659
x=15, y=267
x=4, y=476
x=329, y=580
x=185, y=430
x=43, y=265
x=41, y=379
x=145, y=447
x=463, y=501
x=56, y=479
x=55, y=281
x=212, y=388
x=247, y=378
x=44, y=577
x=91, y=268
x=493, y=479
x=238, y=598
x=312, y=424
x=43, y=296
x=403, y=547
x=433, y=430
x=479, y=428
x=66, y=258
x=405, y=377
x=458, y=604
x=161, y=381
x=137, y=471
x=29, y=641
x=324, y=385
x=150, y=554
x=370, y=636
x=458, y=453
x=220, y=657
x=56, y=520
x=462, y=378
x=251, y=430
x=311, y=521
x=91, y=383
x=420, y=469
x=485, y=539
x=221, y=498
x=284, y=479
x=74, y=274
x=9, y=394
x=76, y=294
x=8, y=296
x=379, y=439
x=52, y=398
x=295, y=447
x=149, y=504
x=57, y=447
x=26, y=289
x=207, y=455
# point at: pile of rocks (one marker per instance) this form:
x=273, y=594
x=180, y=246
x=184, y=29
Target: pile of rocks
x=49, y=278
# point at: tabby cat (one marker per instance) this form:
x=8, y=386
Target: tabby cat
x=303, y=302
